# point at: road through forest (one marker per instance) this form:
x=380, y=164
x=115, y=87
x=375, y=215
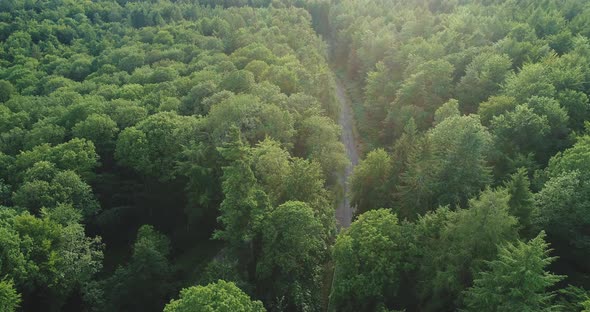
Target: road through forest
x=344, y=212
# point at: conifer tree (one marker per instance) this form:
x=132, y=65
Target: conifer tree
x=517, y=280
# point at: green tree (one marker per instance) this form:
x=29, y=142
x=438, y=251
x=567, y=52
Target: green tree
x=495, y=106
x=577, y=105
x=65, y=187
x=414, y=190
x=53, y=260
x=44, y=131
x=369, y=183
x=572, y=159
x=272, y=166
x=484, y=77
x=561, y=212
x=532, y=80
x=239, y=81
x=145, y=282
x=521, y=131
x=460, y=146
x=521, y=200
x=558, y=120
x=100, y=129
x=153, y=146
x=293, y=248
x=9, y=298
x=367, y=263
x=255, y=119
x=319, y=138
x=426, y=89
x=221, y=296
x=78, y=155
x=244, y=202
x=468, y=239
x=284, y=78
x=447, y=110
x=6, y=90
x=516, y=280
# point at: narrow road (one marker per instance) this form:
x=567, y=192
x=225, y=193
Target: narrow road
x=344, y=211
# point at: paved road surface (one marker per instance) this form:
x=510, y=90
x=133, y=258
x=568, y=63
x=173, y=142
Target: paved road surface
x=344, y=211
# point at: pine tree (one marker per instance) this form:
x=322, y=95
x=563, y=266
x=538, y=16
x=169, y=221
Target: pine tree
x=516, y=281
x=244, y=201
x=521, y=199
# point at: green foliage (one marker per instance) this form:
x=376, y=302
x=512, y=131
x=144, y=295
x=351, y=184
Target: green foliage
x=6, y=90
x=244, y=203
x=447, y=110
x=145, y=282
x=427, y=87
x=521, y=200
x=562, y=213
x=521, y=131
x=369, y=182
x=469, y=238
x=221, y=296
x=367, y=261
x=532, y=80
x=572, y=159
x=292, y=251
x=255, y=119
x=459, y=146
x=64, y=187
x=78, y=155
x=48, y=261
x=9, y=298
x=239, y=81
x=483, y=77
x=100, y=129
x=495, y=106
x=516, y=281
x=272, y=165
x=152, y=147
x=218, y=118
x=44, y=131
x=319, y=138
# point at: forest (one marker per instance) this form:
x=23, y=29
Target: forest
x=193, y=155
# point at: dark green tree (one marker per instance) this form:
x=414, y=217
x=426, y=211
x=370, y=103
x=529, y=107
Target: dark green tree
x=517, y=280
x=146, y=281
x=289, y=267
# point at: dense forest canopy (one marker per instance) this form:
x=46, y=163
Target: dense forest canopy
x=186, y=155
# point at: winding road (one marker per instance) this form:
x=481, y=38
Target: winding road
x=344, y=212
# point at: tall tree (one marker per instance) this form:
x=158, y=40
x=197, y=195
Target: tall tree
x=9, y=298
x=369, y=183
x=145, y=282
x=562, y=212
x=288, y=270
x=517, y=280
x=244, y=203
x=460, y=147
x=367, y=263
x=469, y=238
x=521, y=200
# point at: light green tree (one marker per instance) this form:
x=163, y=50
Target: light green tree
x=9, y=298
x=369, y=183
x=221, y=296
x=367, y=262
